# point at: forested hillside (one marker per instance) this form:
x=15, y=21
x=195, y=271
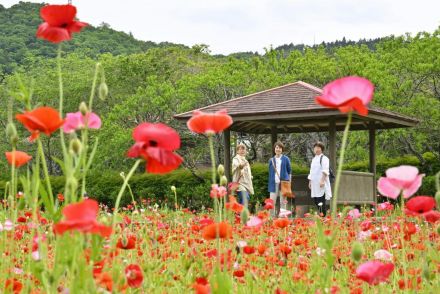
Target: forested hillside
x=18, y=43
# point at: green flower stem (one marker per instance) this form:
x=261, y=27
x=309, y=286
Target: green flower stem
x=93, y=90
x=211, y=149
x=85, y=132
x=341, y=162
x=121, y=191
x=46, y=174
x=13, y=187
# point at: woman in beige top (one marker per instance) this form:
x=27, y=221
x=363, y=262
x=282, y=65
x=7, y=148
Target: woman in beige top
x=241, y=174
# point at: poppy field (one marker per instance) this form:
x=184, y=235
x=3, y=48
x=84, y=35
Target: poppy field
x=69, y=243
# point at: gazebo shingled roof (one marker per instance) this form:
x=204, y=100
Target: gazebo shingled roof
x=291, y=108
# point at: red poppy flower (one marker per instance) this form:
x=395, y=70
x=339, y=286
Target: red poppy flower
x=261, y=249
x=249, y=249
x=105, y=280
x=223, y=230
x=420, y=204
x=234, y=205
x=286, y=250
x=432, y=216
x=13, y=285
x=155, y=143
x=20, y=158
x=127, y=242
x=374, y=272
x=268, y=204
x=347, y=94
x=82, y=217
x=42, y=119
x=201, y=286
x=134, y=275
x=59, y=23
x=238, y=273
x=281, y=222
x=209, y=123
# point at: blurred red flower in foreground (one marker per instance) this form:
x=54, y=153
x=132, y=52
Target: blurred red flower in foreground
x=209, y=123
x=59, y=23
x=42, y=119
x=374, y=272
x=347, y=94
x=156, y=144
x=20, y=158
x=223, y=230
x=82, y=217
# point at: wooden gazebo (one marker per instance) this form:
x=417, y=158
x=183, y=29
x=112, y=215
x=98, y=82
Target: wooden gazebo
x=292, y=109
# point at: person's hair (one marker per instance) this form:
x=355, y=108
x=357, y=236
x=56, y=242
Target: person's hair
x=239, y=146
x=320, y=145
x=279, y=144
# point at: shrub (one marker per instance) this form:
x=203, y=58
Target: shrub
x=191, y=191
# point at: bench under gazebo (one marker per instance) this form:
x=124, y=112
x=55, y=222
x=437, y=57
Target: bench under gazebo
x=292, y=109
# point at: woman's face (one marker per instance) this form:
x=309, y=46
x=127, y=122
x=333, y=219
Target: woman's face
x=242, y=151
x=278, y=150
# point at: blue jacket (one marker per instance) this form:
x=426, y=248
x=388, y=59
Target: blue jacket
x=286, y=172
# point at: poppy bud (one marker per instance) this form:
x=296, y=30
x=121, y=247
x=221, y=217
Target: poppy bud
x=437, y=199
x=438, y=229
x=173, y=188
x=356, y=251
x=75, y=146
x=223, y=181
x=244, y=216
x=11, y=132
x=103, y=91
x=221, y=170
x=83, y=108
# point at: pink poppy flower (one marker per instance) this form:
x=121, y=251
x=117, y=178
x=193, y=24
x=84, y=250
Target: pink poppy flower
x=354, y=214
x=347, y=94
x=76, y=121
x=383, y=254
x=374, y=272
x=404, y=178
x=254, y=222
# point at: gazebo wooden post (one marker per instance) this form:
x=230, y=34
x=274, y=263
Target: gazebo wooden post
x=332, y=145
x=372, y=139
x=273, y=138
x=227, y=153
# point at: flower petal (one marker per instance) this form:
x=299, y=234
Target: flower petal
x=387, y=188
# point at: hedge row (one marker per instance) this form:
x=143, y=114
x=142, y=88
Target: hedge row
x=191, y=191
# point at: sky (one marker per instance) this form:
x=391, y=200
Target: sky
x=229, y=26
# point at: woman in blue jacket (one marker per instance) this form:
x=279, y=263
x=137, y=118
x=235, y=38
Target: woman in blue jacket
x=279, y=169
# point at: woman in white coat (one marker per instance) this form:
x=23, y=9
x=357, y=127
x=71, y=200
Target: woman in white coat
x=319, y=181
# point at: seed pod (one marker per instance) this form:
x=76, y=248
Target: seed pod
x=221, y=170
x=103, y=91
x=356, y=251
x=11, y=131
x=244, y=216
x=173, y=189
x=83, y=108
x=223, y=181
x=75, y=146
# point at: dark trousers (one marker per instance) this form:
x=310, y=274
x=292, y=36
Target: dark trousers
x=321, y=208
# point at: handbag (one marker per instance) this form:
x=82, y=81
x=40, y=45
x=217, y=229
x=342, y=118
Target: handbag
x=286, y=186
